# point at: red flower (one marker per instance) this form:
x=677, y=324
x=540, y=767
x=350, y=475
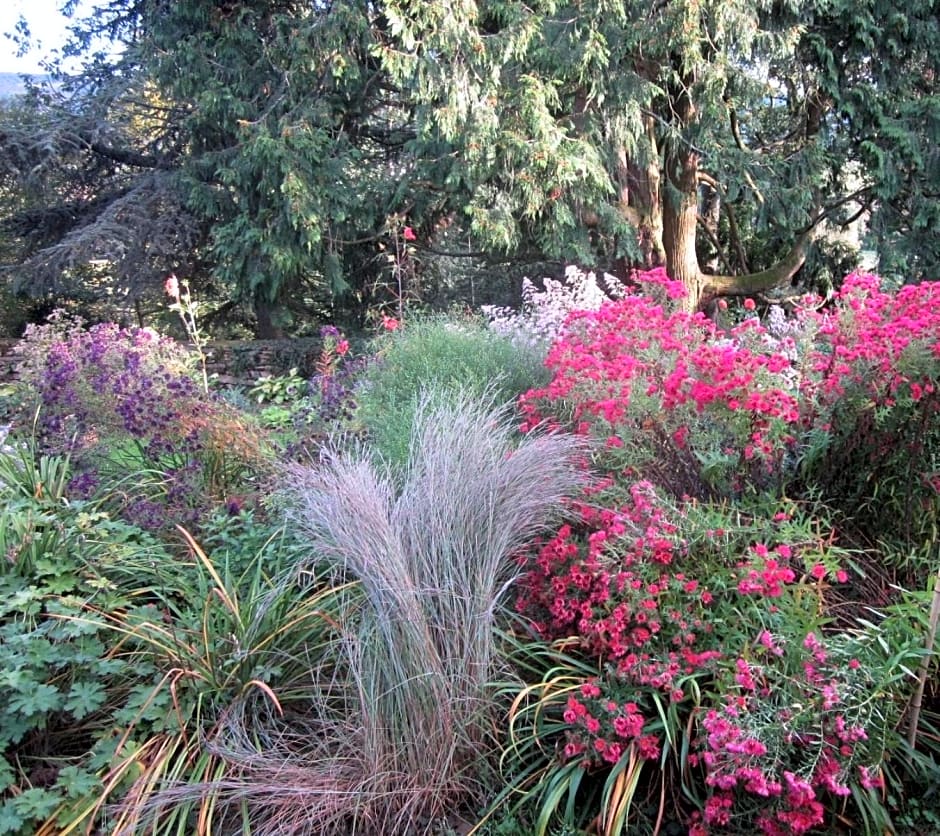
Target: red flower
x=389, y=323
x=749, y=305
x=409, y=234
x=342, y=347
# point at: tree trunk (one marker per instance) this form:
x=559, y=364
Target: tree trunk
x=680, y=201
x=680, y=225
x=709, y=218
x=265, y=327
x=641, y=199
x=752, y=283
x=680, y=222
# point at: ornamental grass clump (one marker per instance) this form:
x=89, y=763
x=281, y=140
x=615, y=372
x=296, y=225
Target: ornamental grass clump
x=446, y=355
x=414, y=714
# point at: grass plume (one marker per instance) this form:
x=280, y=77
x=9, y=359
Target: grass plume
x=433, y=554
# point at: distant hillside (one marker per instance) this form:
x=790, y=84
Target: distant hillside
x=11, y=84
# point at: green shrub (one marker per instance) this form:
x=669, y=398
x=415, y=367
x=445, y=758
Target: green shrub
x=441, y=354
x=64, y=678
x=131, y=672
x=237, y=636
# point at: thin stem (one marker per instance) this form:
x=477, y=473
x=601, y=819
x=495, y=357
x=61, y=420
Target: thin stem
x=918, y=697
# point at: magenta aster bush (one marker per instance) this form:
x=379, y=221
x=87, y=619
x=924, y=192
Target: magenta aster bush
x=799, y=728
x=696, y=411
x=689, y=582
x=871, y=406
x=619, y=584
x=703, y=626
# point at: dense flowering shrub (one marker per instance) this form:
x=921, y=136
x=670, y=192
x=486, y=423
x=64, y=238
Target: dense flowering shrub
x=125, y=402
x=801, y=724
x=703, y=624
x=697, y=412
x=849, y=394
x=689, y=581
x=619, y=584
x=871, y=405
x=545, y=312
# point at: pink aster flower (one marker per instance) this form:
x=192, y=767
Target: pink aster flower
x=172, y=287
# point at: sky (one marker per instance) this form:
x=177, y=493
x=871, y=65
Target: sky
x=47, y=25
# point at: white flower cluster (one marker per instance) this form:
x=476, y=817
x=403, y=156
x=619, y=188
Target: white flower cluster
x=544, y=312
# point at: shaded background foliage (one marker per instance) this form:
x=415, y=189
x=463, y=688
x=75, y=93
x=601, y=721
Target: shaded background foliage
x=274, y=152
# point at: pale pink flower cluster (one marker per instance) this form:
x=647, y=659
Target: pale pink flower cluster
x=545, y=311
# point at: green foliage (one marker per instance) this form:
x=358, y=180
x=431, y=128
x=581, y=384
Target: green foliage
x=916, y=816
x=580, y=124
x=281, y=398
x=63, y=679
x=445, y=355
x=278, y=389
x=878, y=66
x=235, y=637
x=290, y=137
x=271, y=147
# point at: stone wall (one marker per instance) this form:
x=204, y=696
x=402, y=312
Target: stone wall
x=242, y=362
x=236, y=362
x=6, y=359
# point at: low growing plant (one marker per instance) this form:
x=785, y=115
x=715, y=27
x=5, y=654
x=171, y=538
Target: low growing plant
x=64, y=678
x=223, y=648
x=306, y=412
